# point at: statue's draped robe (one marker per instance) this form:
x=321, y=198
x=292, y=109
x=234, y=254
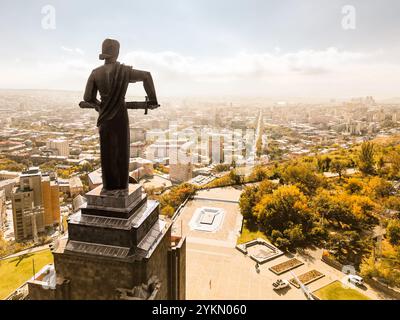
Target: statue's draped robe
x=113, y=123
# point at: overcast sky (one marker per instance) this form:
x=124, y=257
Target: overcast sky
x=282, y=48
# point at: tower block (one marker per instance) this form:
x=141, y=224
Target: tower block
x=117, y=248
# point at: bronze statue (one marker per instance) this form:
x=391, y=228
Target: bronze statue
x=112, y=80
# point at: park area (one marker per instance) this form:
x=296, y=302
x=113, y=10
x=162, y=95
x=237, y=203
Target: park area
x=338, y=291
x=17, y=270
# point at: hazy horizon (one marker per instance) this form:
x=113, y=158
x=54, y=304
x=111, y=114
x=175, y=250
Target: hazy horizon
x=222, y=98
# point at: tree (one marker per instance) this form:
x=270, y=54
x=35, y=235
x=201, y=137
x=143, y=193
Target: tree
x=379, y=188
x=286, y=211
x=7, y=164
x=259, y=173
x=176, y=196
x=265, y=187
x=393, y=232
x=347, y=247
x=385, y=267
x=275, y=234
x=221, y=167
x=336, y=208
x=366, y=158
x=394, y=159
x=86, y=167
x=235, y=178
x=323, y=163
x=283, y=243
x=354, y=185
x=303, y=176
x=168, y=211
x=381, y=165
x=338, y=166
x=295, y=234
x=393, y=203
x=247, y=201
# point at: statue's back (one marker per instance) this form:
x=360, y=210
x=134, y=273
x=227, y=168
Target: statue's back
x=103, y=77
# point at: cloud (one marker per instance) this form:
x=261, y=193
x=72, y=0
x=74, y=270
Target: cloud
x=244, y=65
x=330, y=73
x=73, y=51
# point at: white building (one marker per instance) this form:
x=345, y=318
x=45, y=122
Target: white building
x=61, y=145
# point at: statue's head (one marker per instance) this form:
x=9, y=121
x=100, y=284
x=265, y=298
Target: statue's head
x=109, y=50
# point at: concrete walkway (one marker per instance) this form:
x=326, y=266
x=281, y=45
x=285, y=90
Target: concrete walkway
x=26, y=251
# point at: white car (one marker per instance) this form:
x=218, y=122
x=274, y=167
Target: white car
x=280, y=284
x=356, y=280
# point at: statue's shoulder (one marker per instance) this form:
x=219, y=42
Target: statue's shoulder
x=126, y=66
x=98, y=69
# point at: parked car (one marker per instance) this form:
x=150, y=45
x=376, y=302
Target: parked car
x=356, y=280
x=280, y=284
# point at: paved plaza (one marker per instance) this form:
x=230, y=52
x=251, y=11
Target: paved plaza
x=217, y=270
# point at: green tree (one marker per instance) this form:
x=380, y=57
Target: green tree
x=323, y=163
x=234, y=177
x=303, y=176
x=259, y=173
x=381, y=165
x=339, y=167
x=295, y=234
x=394, y=159
x=247, y=201
x=286, y=211
x=176, y=196
x=347, y=247
x=168, y=211
x=336, y=208
x=366, y=160
x=379, y=188
x=265, y=187
x=393, y=232
x=354, y=185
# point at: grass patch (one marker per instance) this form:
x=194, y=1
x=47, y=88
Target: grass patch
x=249, y=234
x=337, y=291
x=15, y=271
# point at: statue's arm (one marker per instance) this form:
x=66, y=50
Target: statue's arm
x=148, y=84
x=91, y=90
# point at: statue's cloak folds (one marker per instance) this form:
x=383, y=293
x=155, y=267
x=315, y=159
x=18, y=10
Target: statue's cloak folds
x=115, y=100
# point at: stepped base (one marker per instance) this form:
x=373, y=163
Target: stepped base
x=119, y=199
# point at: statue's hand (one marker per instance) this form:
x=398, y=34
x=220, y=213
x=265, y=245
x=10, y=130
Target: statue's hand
x=153, y=104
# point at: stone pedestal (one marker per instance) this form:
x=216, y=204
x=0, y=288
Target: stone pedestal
x=117, y=243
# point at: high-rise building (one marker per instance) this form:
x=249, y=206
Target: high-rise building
x=27, y=205
x=31, y=180
x=51, y=202
x=180, y=172
x=216, y=148
x=60, y=145
x=75, y=186
x=27, y=218
x=137, y=134
x=137, y=149
x=35, y=204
